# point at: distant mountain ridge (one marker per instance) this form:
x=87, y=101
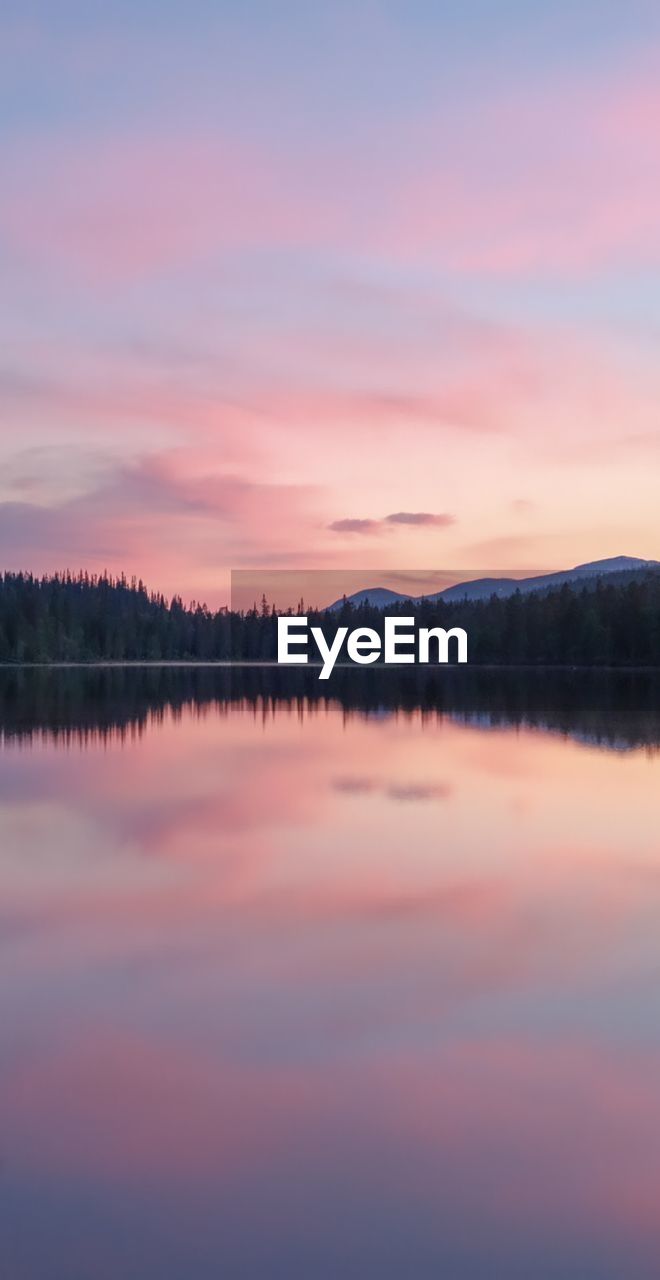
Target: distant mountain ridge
x=484, y=588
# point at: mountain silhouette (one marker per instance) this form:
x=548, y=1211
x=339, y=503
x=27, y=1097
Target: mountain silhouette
x=484, y=588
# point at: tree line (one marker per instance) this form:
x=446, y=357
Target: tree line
x=613, y=709
x=90, y=618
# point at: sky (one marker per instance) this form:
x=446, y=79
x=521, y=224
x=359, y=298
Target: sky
x=368, y=285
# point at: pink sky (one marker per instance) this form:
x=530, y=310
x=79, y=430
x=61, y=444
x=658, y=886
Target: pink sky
x=277, y=291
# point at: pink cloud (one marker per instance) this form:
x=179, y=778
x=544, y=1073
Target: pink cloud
x=353, y=525
x=422, y=518
x=150, y=512
x=581, y=188
x=416, y=519
x=130, y=205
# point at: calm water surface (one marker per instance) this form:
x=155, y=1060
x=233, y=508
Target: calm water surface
x=365, y=986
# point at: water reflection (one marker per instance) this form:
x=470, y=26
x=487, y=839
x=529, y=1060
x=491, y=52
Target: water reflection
x=360, y=982
x=611, y=709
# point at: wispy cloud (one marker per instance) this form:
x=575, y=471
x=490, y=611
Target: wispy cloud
x=159, y=517
x=417, y=519
x=441, y=520
x=131, y=204
x=355, y=525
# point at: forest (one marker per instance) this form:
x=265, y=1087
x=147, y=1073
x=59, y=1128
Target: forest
x=97, y=618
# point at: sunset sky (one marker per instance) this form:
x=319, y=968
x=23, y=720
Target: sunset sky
x=342, y=285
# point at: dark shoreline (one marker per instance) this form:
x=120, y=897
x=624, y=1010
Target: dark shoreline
x=229, y=663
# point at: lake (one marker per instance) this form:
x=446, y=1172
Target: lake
x=352, y=981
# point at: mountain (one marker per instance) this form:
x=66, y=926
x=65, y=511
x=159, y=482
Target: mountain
x=484, y=588
x=379, y=597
